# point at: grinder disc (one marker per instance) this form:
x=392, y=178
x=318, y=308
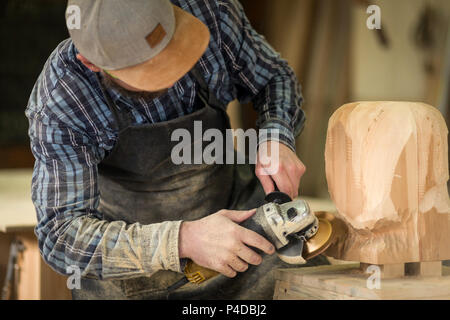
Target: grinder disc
x=320, y=241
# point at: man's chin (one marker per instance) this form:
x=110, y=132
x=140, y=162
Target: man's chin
x=108, y=82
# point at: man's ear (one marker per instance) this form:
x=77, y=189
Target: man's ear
x=87, y=63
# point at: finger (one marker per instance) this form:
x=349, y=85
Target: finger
x=253, y=239
x=294, y=180
x=299, y=170
x=266, y=181
x=227, y=271
x=283, y=182
x=248, y=255
x=238, y=215
x=238, y=265
x=302, y=169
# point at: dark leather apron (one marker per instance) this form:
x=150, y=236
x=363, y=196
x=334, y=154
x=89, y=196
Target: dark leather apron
x=139, y=183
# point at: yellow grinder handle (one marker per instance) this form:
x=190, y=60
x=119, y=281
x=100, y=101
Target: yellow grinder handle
x=197, y=274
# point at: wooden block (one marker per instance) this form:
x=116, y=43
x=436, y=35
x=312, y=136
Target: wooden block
x=424, y=269
x=387, y=271
x=347, y=281
x=387, y=171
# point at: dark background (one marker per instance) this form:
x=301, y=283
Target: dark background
x=29, y=31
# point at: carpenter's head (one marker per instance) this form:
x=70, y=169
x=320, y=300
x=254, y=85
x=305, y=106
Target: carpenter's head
x=141, y=47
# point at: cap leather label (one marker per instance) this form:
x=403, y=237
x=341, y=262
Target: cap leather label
x=156, y=36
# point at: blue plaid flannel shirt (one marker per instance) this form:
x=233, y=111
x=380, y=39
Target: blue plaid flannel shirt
x=71, y=130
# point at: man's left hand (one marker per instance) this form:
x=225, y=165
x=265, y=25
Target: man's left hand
x=283, y=167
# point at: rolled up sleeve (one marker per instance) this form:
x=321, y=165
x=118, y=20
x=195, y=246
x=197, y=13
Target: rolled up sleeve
x=70, y=229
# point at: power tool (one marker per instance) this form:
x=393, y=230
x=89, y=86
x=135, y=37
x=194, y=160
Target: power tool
x=290, y=225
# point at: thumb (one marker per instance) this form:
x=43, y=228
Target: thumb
x=239, y=215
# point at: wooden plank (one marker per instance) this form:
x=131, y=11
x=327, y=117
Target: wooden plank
x=349, y=282
x=53, y=285
x=311, y=293
x=325, y=86
x=30, y=268
x=281, y=288
x=5, y=242
x=16, y=157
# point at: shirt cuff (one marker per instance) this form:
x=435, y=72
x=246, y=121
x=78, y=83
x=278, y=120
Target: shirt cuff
x=276, y=130
x=160, y=246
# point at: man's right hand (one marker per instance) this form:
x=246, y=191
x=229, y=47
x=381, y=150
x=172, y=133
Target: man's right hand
x=219, y=243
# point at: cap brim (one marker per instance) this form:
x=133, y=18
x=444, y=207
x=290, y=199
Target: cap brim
x=188, y=43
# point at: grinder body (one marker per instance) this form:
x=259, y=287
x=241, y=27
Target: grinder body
x=286, y=225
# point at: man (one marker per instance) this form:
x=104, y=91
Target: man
x=109, y=200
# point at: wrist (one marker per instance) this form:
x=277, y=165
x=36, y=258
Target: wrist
x=278, y=131
x=183, y=239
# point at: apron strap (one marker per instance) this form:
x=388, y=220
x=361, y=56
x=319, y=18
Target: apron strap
x=204, y=92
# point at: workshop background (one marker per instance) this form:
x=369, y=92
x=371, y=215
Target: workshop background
x=335, y=56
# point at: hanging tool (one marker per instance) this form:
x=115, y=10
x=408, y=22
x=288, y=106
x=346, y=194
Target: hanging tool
x=15, y=248
x=290, y=225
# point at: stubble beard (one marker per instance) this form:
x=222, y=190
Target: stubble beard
x=108, y=82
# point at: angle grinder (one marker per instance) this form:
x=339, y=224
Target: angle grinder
x=290, y=225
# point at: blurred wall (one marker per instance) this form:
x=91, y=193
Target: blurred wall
x=314, y=37
x=338, y=60
x=404, y=70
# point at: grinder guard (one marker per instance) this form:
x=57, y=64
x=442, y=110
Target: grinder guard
x=292, y=227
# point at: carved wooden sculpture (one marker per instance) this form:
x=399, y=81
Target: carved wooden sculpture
x=387, y=172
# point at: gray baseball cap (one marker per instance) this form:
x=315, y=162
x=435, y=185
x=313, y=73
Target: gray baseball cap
x=148, y=44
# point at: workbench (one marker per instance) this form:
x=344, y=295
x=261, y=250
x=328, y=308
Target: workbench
x=348, y=281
